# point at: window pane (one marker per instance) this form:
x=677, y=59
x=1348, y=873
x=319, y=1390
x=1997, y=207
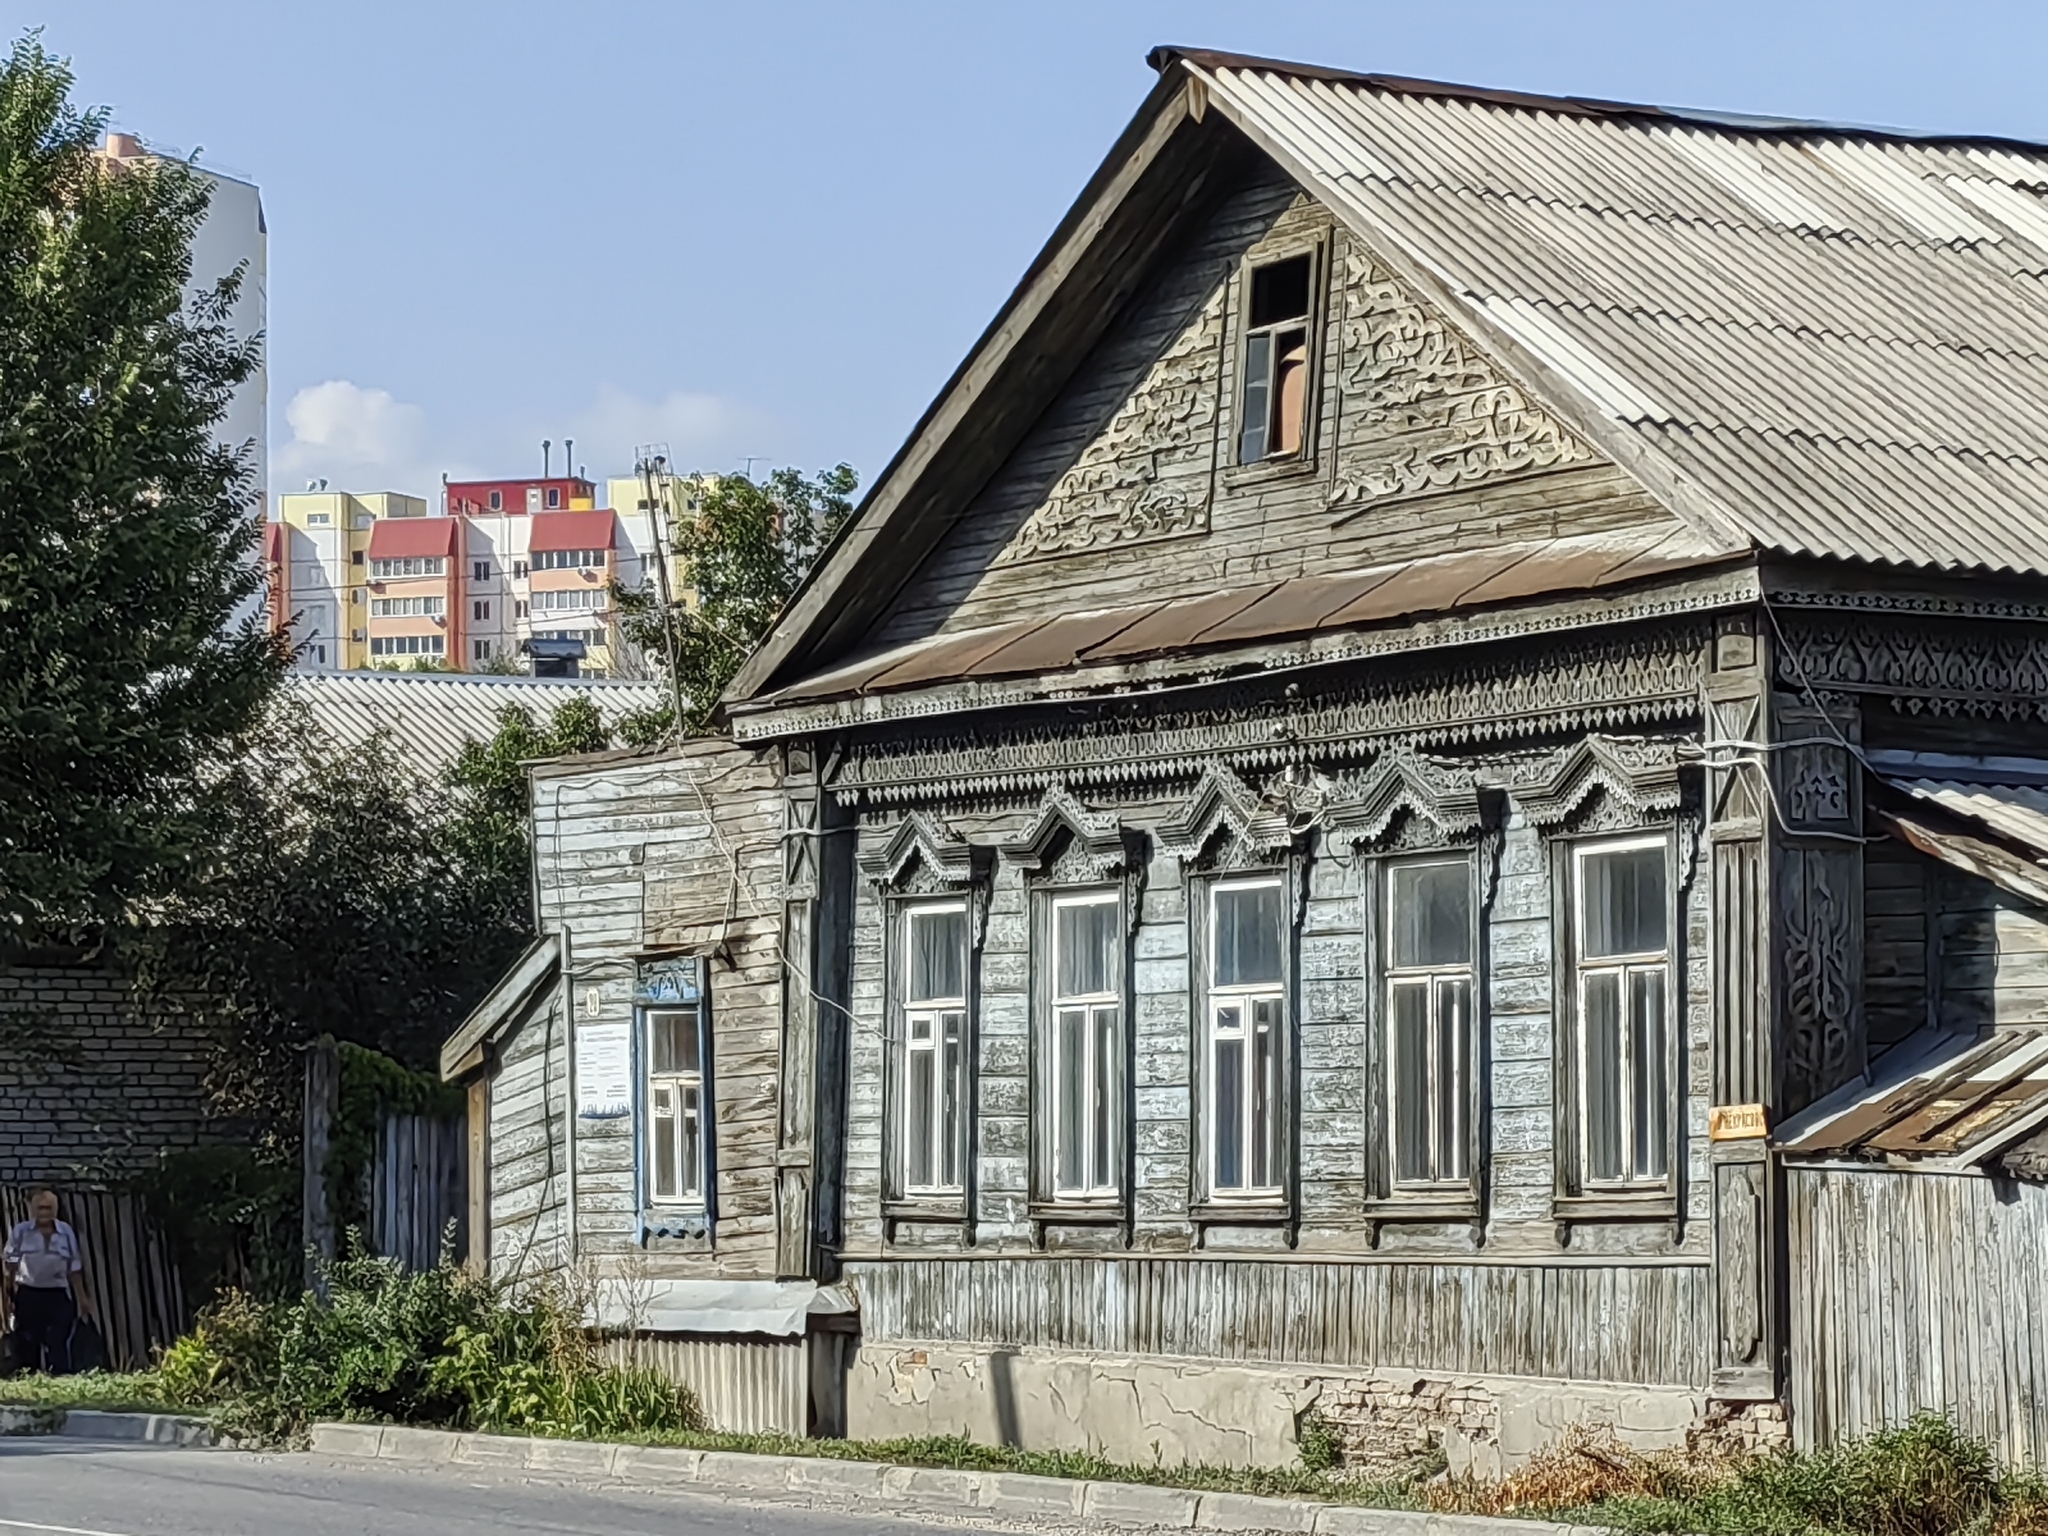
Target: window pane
x=1624, y=902
x=1265, y=1127
x=691, y=1153
x=1084, y=940
x=917, y=1107
x=938, y=955
x=950, y=1091
x=1248, y=932
x=1280, y=291
x=1429, y=914
x=664, y=1144
x=1601, y=1005
x=1648, y=1074
x=1068, y=1119
x=1258, y=368
x=1229, y=1127
x=1290, y=393
x=1106, y=1057
x=674, y=1043
x=1409, y=1015
x=1453, y=1037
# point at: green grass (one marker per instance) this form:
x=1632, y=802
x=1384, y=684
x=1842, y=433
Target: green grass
x=113, y=1391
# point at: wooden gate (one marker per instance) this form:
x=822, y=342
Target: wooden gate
x=419, y=1190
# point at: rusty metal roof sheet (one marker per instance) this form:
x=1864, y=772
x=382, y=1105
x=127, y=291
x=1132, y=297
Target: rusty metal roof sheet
x=1834, y=340
x=1270, y=610
x=1936, y=1099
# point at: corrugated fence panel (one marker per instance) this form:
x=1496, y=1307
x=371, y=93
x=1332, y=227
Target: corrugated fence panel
x=747, y=1384
x=418, y=1186
x=128, y=1269
x=1614, y=1322
x=1916, y=1291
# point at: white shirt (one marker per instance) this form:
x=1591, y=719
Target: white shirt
x=43, y=1262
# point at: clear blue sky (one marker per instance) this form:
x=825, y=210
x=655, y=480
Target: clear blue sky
x=771, y=228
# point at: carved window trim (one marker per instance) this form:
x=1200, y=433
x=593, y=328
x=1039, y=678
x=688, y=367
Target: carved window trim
x=1066, y=851
x=666, y=984
x=1575, y=1198
x=1317, y=245
x=923, y=864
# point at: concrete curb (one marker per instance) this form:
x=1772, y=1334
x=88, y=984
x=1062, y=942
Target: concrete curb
x=93, y=1424
x=934, y=1490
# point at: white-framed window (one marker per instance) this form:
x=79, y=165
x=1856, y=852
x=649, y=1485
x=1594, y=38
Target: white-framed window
x=480, y=610
x=1085, y=1036
x=1621, y=921
x=1429, y=981
x=569, y=559
x=577, y=600
x=408, y=607
x=1246, y=1036
x=677, y=1112
x=1273, y=402
x=554, y=496
x=408, y=565
x=408, y=645
x=480, y=570
x=934, y=1047
x=518, y=570
x=480, y=650
x=519, y=608
x=497, y=501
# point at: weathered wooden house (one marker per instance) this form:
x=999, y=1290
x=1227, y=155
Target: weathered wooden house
x=1367, y=818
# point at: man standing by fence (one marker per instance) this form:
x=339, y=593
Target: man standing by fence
x=44, y=1278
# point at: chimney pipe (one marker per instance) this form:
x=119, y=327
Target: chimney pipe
x=545, y=445
x=568, y=455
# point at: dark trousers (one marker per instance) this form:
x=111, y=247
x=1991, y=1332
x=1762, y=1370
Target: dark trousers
x=43, y=1320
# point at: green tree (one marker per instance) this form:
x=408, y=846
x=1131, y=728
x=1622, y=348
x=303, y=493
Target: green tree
x=741, y=551
x=125, y=527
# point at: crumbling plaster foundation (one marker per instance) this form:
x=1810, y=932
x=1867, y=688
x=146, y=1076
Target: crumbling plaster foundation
x=1151, y=1409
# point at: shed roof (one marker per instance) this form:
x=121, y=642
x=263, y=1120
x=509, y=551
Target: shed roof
x=396, y=538
x=1937, y=1099
x=571, y=530
x=432, y=714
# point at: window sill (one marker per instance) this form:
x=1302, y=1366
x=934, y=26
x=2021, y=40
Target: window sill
x=1223, y=1213
x=1606, y=1205
x=1075, y=1213
x=939, y=1208
x=1300, y=466
x=1424, y=1208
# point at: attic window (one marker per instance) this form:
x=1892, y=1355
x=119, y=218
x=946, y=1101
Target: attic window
x=1276, y=362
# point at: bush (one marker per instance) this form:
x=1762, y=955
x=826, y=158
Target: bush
x=440, y=1347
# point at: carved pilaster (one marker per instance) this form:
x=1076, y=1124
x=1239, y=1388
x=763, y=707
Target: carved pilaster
x=796, y=1141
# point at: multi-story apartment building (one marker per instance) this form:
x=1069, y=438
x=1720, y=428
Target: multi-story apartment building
x=373, y=581
x=318, y=554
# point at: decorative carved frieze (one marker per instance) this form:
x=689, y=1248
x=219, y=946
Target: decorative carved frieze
x=1403, y=786
x=1147, y=474
x=1069, y=841
x=1601, y=684
x=1997, y=672
x=1637, y=777
x=1820, y=921
x=1223, y=802
x=1435, y=413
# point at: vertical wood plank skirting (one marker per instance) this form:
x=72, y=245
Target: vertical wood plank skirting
x=1741, y=1054
x=1919, y=1291
x=1639, y=1323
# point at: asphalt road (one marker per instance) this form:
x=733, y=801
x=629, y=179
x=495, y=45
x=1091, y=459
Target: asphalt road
x=62, y=1487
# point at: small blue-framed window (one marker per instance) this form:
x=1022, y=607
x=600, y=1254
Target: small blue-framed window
x=676, y=1161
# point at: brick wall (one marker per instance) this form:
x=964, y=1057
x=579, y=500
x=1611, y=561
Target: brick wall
x=90, y=1088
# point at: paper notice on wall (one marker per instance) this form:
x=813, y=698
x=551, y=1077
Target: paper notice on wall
x=604, y=1071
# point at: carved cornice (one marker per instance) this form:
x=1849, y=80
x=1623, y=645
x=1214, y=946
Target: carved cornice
x=1608, y=684
x=1401, y=782
x=1223, y=802
x=947, y=859
x=1982, y=670
x=1927, y=604
x=1639, y=776
x=1095, y=841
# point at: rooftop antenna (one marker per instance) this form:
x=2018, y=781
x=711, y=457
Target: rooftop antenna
x=750, y=464
x=545, y=446
x=650, y=462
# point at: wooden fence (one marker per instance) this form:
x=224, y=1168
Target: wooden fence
x=419, y=1189
x=128, y=1270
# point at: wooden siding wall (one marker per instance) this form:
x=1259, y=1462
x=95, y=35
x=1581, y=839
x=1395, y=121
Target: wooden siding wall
x=1264, y=521
x=1642, y=1316
x=1897, y=884
x=1641, y=1323
x=627, y=862
x=1919, y=1291
x=1989, y=949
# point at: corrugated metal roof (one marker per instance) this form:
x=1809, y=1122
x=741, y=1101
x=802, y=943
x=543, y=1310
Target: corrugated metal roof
x=1836, y=339
x=572, y=530
x=1935, y=1098
x=430, y=715
x=393, y=538
x=1272, y=610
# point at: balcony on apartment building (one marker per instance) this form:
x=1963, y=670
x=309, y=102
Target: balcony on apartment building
x=415, y=587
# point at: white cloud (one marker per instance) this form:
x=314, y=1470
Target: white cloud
x=357, y=439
